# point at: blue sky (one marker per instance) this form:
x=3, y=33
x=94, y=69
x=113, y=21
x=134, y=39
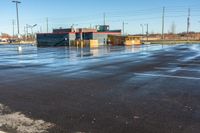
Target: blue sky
x=64, y=13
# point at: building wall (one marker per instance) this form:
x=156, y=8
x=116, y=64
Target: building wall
x=71, y=38
x=87, y=36
x=86, y=43
x=102, y=38
x=116, y=40
x=132, y=40
x=55, y=39
x=67, y=39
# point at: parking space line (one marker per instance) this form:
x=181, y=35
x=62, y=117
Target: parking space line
x=165, y=76
x=184, y=64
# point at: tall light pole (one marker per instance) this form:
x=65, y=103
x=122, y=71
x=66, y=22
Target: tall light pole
x=13, y=28
x=123, y=27
x=17, y=2
x=163, y=23
x=147, y=32
x=188, y=24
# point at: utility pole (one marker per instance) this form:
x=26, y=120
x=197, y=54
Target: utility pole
x=163, y=23
x=142, y=26
x=199, y=32
x=17, y=2
x=26, y=31
x=13, y=24
x=188, y=24
x=40, y=29
x=104, y=18
x=47, y=21
x=123, y=27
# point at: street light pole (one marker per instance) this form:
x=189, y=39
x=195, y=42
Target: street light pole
x=188, y=24
x=17, y=2
x=31, y=27
x=147, y=33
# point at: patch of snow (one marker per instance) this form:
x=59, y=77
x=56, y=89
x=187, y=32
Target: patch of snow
x=21, y=123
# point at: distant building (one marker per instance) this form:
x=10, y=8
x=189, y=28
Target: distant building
x=5, y=37
x=67, y=37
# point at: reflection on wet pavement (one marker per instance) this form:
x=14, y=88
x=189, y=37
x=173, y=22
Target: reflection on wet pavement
x=66, y=59
x=143, y=89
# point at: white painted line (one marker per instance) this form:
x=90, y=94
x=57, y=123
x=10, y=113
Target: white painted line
x=168, y=54
x=184, y=64
x=163, y=68
x=166, y=76
x=178, y=68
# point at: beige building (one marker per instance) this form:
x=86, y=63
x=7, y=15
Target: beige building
x=126, y=40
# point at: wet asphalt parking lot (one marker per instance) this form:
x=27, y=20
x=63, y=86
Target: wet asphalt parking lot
x=140, y=89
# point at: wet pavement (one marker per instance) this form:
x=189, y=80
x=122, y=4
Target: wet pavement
x=141, y=89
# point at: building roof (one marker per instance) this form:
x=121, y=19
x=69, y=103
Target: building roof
x=127, y=35
x=79, y=32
